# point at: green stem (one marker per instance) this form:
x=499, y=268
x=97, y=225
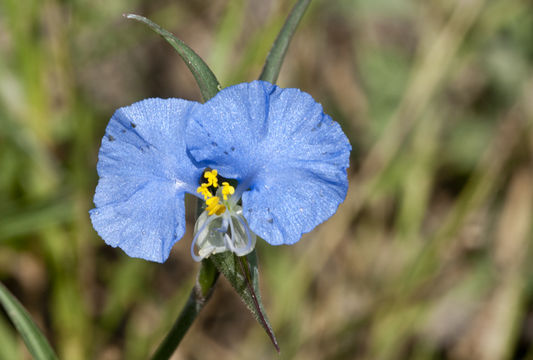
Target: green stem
x=275, y=57
x=200, y=294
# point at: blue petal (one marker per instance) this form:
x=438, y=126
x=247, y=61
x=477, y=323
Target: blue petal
x=147, y=224
x=290, y=156
x=228, y=129
x=144, y=172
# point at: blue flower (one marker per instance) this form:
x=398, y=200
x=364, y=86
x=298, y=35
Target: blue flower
x=267, y=161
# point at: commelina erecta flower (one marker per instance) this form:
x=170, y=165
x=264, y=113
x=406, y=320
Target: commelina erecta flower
x=267, y=162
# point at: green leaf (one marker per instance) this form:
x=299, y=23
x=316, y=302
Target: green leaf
x=32, y=336
x=207, y=81
x=243, y=274
x=277, y=53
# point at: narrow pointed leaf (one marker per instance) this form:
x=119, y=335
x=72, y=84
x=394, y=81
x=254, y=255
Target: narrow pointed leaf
x=243, y=275
x=277, y=53
x=32, y=336
x=205, y=78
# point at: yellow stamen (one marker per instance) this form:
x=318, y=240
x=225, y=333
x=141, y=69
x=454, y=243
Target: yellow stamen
x=214, y=206
x=203, y=189
x=227, y=189
x=213, y=202
x=212, y=179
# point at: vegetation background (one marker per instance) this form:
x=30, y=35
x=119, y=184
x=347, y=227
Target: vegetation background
x=428, y=257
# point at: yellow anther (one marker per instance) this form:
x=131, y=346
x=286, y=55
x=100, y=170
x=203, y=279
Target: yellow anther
x=227, y=189
x=212, y=179
x=214, y=206
x=203, y=189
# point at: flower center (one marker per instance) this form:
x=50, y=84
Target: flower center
x=221, y=227
x=213, y=202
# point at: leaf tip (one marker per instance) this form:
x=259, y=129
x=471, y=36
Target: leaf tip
x=275, y=343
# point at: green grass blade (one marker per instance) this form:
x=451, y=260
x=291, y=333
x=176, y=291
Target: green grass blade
x=207, y=81
x=276, y=55
x=32, y=336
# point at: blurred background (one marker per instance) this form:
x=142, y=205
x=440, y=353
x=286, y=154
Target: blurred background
x=426, y=258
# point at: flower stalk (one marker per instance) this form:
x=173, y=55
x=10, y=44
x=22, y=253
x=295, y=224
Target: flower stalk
x=200, y=294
